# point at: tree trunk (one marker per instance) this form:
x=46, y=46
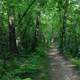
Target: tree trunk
x=12, y=35
x=63, y=28
x=36, y=34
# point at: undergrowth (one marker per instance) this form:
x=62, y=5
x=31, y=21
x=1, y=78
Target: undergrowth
x=33, y=67
x=74, y=60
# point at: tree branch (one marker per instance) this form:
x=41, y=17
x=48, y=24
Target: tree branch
x=26, y=11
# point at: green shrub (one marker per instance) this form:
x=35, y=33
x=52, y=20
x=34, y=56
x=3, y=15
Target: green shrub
x=76, y=62
x=27, y=79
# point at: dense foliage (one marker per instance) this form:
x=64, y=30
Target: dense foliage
x=27, y=29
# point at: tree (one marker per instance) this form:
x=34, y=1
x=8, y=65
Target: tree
x=12, y=33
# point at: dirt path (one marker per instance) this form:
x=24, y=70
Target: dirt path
x=61, y=69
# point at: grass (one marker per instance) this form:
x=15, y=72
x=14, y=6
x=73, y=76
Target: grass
x=74, y=60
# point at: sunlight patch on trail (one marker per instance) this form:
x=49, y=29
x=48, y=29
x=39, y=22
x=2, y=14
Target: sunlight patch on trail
x=60, y=69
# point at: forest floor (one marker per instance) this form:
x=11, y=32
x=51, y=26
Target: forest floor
x=61, y=69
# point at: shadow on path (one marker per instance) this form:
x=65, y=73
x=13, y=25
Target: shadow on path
x=60, y=69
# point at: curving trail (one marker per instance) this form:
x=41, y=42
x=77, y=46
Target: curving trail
x=60, y=69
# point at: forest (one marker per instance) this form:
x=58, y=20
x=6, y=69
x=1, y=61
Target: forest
x=28, y=28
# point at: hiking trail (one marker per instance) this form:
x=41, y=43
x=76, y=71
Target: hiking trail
x=60, y=69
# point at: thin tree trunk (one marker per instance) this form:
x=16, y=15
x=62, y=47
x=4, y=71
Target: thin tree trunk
x=63, y=29
x=12, y=35
x=36, y=34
